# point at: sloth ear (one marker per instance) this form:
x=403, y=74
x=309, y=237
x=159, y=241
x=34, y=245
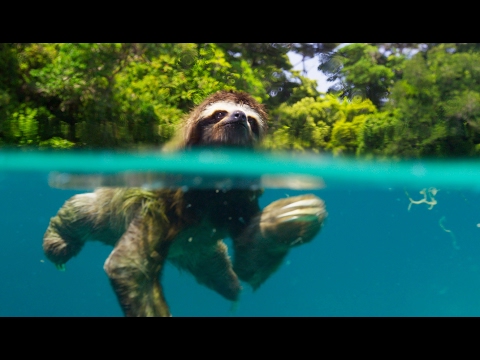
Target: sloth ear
x=186, y=135
x=191, y=134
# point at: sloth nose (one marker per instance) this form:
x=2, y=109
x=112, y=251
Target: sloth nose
x=239, y=115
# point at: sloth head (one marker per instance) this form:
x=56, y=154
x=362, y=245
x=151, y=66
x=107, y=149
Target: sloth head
x=226, y=118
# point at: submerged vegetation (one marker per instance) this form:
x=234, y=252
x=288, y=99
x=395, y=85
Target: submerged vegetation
x=386, y=100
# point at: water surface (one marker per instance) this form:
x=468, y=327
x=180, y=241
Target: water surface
x=401, y=238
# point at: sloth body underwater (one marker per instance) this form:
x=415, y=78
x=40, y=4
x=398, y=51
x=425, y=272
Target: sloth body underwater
x=187, y=227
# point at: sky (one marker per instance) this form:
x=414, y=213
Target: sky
x=311, y=66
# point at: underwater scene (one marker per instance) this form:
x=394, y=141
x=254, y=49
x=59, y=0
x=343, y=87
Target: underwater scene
x=400, y=238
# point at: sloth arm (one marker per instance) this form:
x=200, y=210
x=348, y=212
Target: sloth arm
x=69, y=229
x=82, y=217
x=262, y=245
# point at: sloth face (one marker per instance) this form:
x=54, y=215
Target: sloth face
x=226, y=119
x=227, y=123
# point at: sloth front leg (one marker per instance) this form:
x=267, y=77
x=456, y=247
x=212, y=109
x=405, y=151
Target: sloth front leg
x=285, y=223
x=69, y=229
x=134, y=267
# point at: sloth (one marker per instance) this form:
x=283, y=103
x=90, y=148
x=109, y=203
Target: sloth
x=187, y=227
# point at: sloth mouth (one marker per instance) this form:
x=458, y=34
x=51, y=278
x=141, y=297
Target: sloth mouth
x=233, y=135
x=235, y=122
x=236, y=130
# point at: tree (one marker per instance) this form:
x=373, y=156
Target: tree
x=318, y=122
x=432, y=110
x=109, y=95
x=363, y=70
x=270, y=64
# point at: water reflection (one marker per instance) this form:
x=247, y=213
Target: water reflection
x=158, y=180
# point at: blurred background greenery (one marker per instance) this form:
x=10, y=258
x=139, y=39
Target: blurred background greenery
x=395, y=100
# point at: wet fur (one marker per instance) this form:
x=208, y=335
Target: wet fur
x=187, y=228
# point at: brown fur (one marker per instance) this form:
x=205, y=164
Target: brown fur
x=191, y=134
x=187, y=228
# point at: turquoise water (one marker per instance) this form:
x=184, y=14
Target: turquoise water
x=379, y=253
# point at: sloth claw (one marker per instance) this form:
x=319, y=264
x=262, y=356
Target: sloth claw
x=294, y=220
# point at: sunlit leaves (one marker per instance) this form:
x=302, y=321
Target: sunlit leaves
x=392, y=99
x=111, y=95
x=22, y=126
x=324, y=123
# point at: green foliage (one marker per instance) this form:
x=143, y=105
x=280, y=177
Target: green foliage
x=56, y=143
x=346, y=135
x=437, y=104
x=377, y=134
x=134, y=95
x=305, y=88
x=319, y=123
x=9, y=82
x=267, y=60
x=22, y=126
x=270, y=67
x=363, y=70
x=110, y=95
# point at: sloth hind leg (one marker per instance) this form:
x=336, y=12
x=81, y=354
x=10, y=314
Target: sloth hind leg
x=211, y=266
x=134, y=267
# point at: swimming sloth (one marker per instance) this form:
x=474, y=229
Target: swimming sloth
x=187, y=227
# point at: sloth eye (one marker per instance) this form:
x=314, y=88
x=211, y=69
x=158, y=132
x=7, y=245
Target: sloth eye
x=220, y=115
x=253, y=124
